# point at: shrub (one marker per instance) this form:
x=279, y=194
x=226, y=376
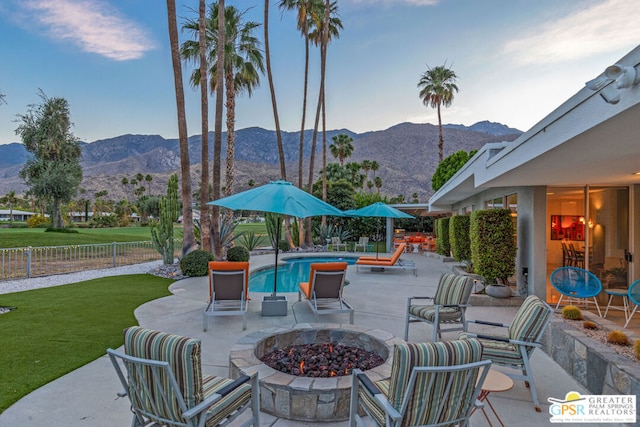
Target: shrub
x=283, y=246
x=459, y=238
x=493, y=248
x=249, y=240
x=196, y=263
x=238, y=253
x=618, y=337
x=449, y=166
x=588, y=324
x=104, y=221
x=636, y=348
x=443, y=246
x=36, y=221
x=571, y=312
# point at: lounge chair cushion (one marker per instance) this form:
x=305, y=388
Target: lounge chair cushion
x=406, y=356
x=184, y=356
x=231, y=266
x=306, y=287
x=368, y=260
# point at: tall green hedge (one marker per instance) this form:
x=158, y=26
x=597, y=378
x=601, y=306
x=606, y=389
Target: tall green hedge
x=442, y=237
x=493, y=249
x=459, y=238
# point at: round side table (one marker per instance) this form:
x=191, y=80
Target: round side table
x=495, y=381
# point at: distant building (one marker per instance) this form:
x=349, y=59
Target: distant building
x=18, y=215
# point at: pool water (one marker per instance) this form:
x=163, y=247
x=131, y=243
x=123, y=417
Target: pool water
x=290, y=275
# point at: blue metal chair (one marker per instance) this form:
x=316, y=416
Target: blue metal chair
x=576, y=283
x=634, y=297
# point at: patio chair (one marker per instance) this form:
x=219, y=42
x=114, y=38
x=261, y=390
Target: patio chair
x=161, y=375
x=382, y=263
x=634, y=298
x=336, y=244
x=363, y=243
x=449, y=305
x=323, y=291
x=228, y=291
x=576, y=284
x=514, y=349
x=430, y=384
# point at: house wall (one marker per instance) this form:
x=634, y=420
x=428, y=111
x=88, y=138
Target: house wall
x=531, y=225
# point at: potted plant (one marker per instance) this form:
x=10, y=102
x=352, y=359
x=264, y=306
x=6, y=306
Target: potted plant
x=493, y=249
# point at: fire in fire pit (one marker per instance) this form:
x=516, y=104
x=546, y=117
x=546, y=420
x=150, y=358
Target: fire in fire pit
x=321, y=360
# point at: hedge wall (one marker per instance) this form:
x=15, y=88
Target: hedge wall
x=493, y=249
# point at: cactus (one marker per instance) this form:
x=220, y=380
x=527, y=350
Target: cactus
x=162, y=229
x=571, y=312
x=618, y=337
x=588, y=324
x=636, y=348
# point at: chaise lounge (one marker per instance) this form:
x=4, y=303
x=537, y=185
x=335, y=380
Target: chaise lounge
x=383, y=263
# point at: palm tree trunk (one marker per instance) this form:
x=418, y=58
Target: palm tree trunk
x=188, y=239
x=217, y=139
x=323, y=68
x=205, y=219
x=308, y=237
x=231, y=106
x=302, y=224
x=274, y=105
x=440, y=138
x=272, y=90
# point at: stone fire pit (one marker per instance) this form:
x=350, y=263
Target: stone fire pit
x=304, y=398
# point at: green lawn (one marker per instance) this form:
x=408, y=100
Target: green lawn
x=56, y=330
x=23, y=237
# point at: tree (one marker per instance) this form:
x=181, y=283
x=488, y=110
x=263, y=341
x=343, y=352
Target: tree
x=272, y=90
x=341, y=147
x=54, y=173
x=217, y=141
x=305, y=9
x=205, y=215
x=448, y=167
x=243, y=64
x=148, y=178
x=188, y=237
x=2, y=98
x=11, y=199
x=437, y=87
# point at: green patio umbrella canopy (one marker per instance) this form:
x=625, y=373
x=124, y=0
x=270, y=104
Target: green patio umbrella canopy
x=380, y=210
x=279, y=197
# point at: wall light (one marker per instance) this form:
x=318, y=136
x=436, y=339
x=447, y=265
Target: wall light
x=624, y=76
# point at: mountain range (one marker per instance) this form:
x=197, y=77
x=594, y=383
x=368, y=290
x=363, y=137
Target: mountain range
x=407, y=154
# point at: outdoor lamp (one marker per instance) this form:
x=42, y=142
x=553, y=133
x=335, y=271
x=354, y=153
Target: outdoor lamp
x=624, y=76
x=597, y=83
x=610, y=94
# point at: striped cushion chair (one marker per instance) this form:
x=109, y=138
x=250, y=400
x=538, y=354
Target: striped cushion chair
x=514, y=349
x=430, y=384
x=449, y=305
x=162, y=376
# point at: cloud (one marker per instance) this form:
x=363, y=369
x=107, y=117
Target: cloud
x=93, y=25
x=603, y=27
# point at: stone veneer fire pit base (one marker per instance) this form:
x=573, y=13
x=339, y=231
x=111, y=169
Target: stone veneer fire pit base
x=303, y=398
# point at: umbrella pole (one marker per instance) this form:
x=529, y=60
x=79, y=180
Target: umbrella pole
x=275, y=270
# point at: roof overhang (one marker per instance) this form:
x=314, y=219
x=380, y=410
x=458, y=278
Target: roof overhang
x=584, y=141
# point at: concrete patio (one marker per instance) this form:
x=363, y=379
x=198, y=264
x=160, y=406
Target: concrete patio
x=87, y=396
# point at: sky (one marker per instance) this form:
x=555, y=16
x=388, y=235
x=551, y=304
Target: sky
x=516, y=61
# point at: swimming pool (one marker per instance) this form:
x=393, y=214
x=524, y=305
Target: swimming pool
x=295, y=270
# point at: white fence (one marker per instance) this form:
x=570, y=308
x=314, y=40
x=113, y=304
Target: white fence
x=38, y=261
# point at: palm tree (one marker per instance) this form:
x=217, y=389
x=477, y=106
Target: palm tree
x=11, y=199
x=188, y=239
x=378, y=183
x=243, y=64
x=342, y=147
x=272, y=90
x=305, y=9
x=148, y=178
x=205, y=218
x=323, y=27
x=437, y=86
x=217, y=140
x=125, y=184
x=374, y=167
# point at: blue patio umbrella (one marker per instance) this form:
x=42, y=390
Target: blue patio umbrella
x=380, y=210
x=279, y=197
